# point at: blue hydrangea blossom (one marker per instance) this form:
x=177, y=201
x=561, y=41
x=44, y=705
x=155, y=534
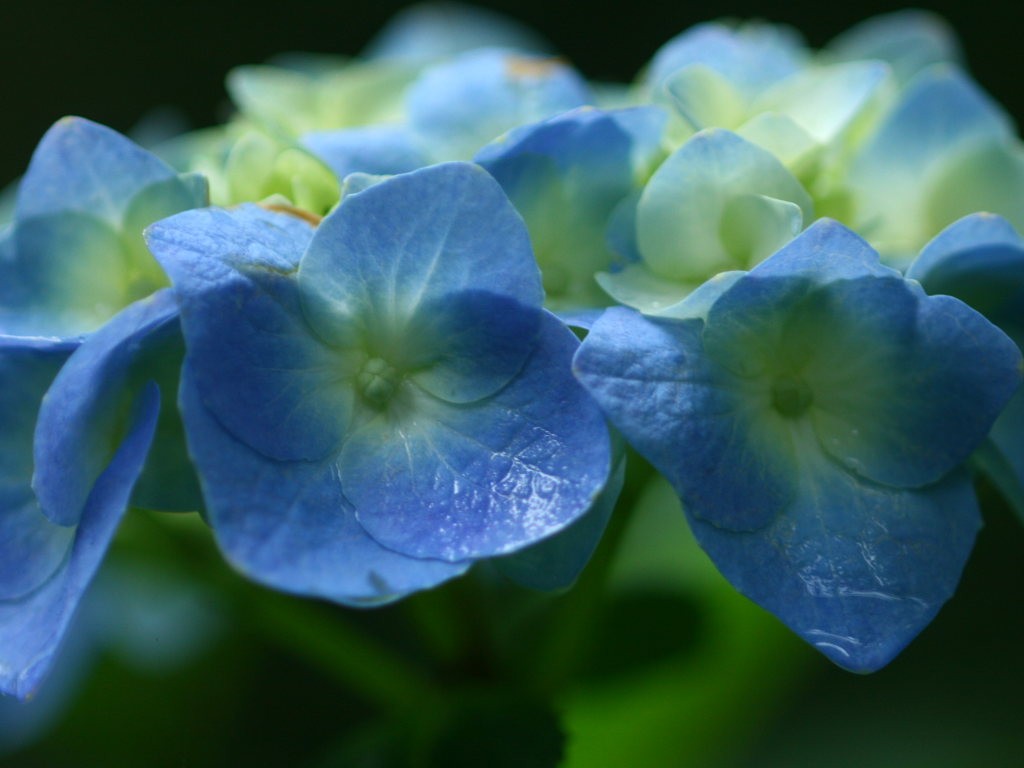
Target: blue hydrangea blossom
x=813, y=415
x=374, y=404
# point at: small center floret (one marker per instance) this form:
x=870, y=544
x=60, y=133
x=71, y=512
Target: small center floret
x=377, y=381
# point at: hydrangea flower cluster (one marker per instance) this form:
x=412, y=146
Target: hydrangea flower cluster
x=345, y=327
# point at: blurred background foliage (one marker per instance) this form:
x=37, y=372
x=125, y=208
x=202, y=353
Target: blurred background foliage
x=652, y=660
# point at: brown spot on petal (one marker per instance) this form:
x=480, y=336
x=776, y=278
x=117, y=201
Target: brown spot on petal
x=310, y=218
x=521, y=66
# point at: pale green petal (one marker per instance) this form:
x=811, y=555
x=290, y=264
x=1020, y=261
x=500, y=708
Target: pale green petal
x=638, y=287
x=688, y=203
x=825, y=101
x=987, y=177
x=705, y=99
x=784, y=138
x=754, y=226
x=294, y=102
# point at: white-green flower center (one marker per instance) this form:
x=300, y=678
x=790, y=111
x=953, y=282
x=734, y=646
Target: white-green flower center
x=377, y=381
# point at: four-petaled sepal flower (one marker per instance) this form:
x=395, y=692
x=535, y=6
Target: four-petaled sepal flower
x=375, y=404
x=813, y=415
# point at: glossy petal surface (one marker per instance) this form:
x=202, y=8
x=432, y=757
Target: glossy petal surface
x=812, y=414
x=656, y=384
x=436, y=418
x=888, y=368
x=458, y=481
x=289, y=524
x=857, y=570
x=556, y=562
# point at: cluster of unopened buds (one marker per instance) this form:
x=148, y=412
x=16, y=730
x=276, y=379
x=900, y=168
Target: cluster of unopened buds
x=345, y=327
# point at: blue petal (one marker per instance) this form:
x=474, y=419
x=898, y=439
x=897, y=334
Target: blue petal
x=741, y=325
x=289, y=525
x=25, y=723
x=613, y=143
x=855, y=569
x=826, y=251
x=980, y=260
x=566, y=176
x=942, y=374
x=381, y=271
x=375, y=149
x=31, y=628
x=889, y=367
x=487, y=478
x=32, y=547
x=621, y=230
x=459, y=106
x=87, y=168
x=556, y=562
x=79, y=419
x=473, y=343
x=679, y=410
x=248, y=342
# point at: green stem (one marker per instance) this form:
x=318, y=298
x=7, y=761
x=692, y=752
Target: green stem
x=361, y=664
x=565, y=646
x=436, y=617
